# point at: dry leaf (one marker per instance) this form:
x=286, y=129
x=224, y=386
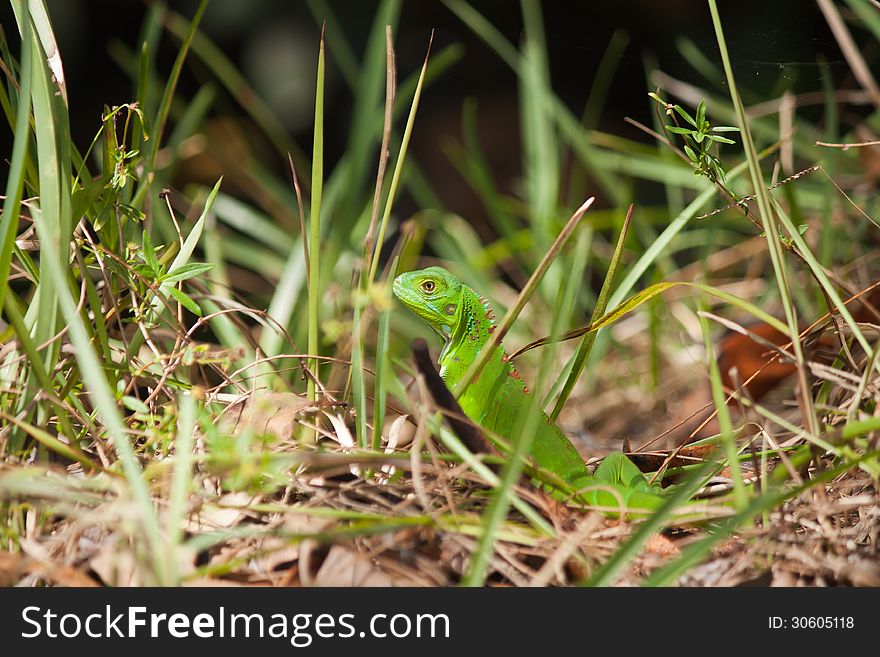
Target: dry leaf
x=343, y=435
x=344, y=567
x=401, y=433
x=116, y=565
x=13, y=566
x=661, y=545
x=226, y=512
x=273, y=413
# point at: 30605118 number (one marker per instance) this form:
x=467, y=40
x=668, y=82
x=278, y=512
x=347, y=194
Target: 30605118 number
x=811, y=623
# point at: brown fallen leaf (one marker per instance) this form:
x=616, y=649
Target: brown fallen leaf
x=226, y=512
x=13, y=566
x=345, y=567
x=65, y=576
x=272, y=413
x=662, y=546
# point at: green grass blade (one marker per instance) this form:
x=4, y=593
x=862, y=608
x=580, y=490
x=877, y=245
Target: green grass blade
x=646, y=295
x=586, y=344
x=723, y=412
x=368, y=89
x=521, y=300
x=768, y=222
x=35, y=365
x=181, y=482
x=359, y=389
x=158, y=123
x=821, y=276
x=382, y=365
x=658, y=247
x=314, y=281
x=15, y=181
x=540, y=151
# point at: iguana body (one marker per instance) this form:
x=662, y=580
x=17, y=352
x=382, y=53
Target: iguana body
x=493, y=400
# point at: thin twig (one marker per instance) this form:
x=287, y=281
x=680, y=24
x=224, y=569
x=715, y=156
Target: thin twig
x=302, y=214
x=846, y=147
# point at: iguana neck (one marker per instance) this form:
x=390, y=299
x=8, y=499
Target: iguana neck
x=474, y=324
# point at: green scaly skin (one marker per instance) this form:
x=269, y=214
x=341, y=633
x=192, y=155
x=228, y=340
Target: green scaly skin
x=494, y=398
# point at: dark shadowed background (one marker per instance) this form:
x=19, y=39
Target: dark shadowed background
x=775, y=45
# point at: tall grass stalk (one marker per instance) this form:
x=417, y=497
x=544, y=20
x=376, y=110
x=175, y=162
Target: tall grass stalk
x=768, y=221
x=15, y=181
x=586, y=344
x=165, y=104
x=314, y=280
x=723, y=413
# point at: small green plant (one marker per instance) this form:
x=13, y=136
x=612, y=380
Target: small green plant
x=699, y=137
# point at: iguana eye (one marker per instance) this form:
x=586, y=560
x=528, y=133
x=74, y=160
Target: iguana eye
x=428, y=286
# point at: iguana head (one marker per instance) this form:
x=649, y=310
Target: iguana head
x=433, y=294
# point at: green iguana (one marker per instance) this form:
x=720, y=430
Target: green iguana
x=493, y=400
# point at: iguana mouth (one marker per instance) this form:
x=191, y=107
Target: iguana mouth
x=409, y=298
